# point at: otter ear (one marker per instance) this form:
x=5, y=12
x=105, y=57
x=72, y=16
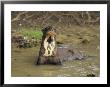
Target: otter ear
x=45, y=29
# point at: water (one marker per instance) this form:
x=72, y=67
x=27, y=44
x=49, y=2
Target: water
x=23, y=65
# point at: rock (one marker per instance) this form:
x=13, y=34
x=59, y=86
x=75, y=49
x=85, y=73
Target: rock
x=58, y=42
x=27, y=43
x=85, y=41
x=91, y=75
x=80, y=38
x=16, y=39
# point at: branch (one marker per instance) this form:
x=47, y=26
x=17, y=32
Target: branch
x=29, y=16
x=88, y=15
x=18, y=16
x=94, y=21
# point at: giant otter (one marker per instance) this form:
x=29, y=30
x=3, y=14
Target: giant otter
x=50, y=53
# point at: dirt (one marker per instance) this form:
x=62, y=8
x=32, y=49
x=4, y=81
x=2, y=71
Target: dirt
x=86, y=39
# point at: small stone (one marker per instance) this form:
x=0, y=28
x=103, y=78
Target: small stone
x=85, y=41
x=90, y=75
x=98, y=47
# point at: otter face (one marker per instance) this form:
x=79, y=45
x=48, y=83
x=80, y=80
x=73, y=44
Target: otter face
x=49, y=41
x=49, y=33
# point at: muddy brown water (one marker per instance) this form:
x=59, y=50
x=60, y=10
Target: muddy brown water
x=23, y=64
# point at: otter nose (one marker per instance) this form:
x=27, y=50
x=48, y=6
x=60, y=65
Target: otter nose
x=51, y=33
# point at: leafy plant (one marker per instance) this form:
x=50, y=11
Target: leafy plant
x=36, y=33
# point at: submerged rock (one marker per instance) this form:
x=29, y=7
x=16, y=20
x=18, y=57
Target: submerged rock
x=91, y=75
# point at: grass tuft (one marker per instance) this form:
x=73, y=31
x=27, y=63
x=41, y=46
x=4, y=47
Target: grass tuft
x=36, y=33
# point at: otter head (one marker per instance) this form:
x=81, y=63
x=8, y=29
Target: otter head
x=49, y=41
x=49, y=32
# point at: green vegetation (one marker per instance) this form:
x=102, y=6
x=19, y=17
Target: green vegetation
x=33, y=32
